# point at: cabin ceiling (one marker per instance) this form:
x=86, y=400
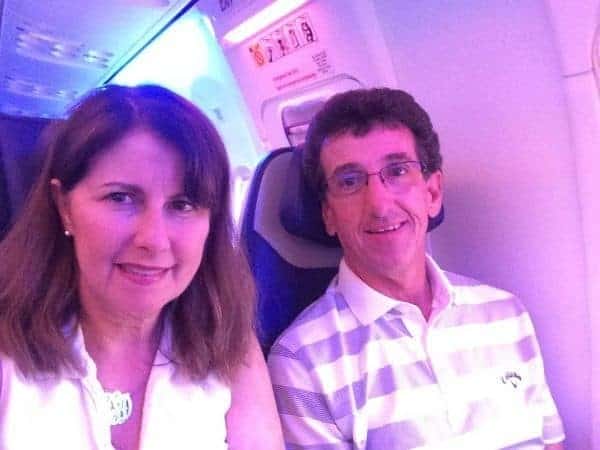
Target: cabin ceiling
x=53, y=51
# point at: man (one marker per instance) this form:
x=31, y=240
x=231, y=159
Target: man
x=398, y=354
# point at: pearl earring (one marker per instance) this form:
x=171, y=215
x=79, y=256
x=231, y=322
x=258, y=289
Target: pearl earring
x=67, y=233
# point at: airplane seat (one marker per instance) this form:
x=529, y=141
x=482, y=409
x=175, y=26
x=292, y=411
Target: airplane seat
x=5, y=208
x=290, y=254
x=292, y=257
x=20, y=163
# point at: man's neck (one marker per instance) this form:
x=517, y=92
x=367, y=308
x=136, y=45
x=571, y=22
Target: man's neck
x=409, y=285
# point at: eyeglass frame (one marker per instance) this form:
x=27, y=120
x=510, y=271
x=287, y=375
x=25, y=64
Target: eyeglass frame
x=382, y=178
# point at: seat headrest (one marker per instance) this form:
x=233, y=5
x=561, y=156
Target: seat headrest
x=263, y=216
x=300, y=209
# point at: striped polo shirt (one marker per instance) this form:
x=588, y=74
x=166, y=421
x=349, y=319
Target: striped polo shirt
x=359, y=370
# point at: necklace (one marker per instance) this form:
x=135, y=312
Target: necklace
x=120, y=406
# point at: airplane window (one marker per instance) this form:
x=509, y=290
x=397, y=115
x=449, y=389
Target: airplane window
x=187, y=59
x=240, y=179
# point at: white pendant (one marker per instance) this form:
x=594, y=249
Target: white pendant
x=120, y=406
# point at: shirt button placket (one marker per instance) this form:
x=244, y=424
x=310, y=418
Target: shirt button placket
x=455, y=411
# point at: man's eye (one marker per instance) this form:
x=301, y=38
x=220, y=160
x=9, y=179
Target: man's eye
x=396, y=170
x=348, y=180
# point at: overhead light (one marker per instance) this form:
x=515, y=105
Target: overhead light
x=262, y=19
x=46, y=46
x=36, y=90
x=64, y=93
x=21, y=43
x=97, y=57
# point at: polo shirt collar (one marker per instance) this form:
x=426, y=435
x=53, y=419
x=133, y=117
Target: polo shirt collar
x=368, y=304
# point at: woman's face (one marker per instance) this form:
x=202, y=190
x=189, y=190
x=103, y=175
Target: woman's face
x=138, y=239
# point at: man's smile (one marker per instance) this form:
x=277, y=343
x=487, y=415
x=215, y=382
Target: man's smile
x=385, y=228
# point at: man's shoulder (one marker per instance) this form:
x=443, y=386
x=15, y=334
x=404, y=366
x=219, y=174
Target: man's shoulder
x=470, y=291
x=316, y=323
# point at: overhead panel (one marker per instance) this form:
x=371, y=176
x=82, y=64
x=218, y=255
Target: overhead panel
x=291, y=55
x=54, y=51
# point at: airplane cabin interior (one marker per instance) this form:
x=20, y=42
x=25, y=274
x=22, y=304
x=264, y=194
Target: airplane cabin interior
x=513, y=88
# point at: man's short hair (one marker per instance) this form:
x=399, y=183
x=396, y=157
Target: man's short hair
x=358, y=112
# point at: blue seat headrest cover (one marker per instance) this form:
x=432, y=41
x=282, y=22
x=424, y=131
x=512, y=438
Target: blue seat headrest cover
x=300, y=209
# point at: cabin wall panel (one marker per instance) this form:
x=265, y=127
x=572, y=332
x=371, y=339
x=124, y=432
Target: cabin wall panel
x=585, y=120
x=490, y=75
x=574, y=32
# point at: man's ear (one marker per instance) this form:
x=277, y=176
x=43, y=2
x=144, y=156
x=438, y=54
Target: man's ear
x=327, y=214
x=435, y=189
x=62, y=203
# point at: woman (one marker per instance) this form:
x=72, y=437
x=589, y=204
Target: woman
x=126, y=309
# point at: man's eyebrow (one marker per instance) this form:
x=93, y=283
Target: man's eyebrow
x=347, y=167
x=390, y=157
x=397, y=156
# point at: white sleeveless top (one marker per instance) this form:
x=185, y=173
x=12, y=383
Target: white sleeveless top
x=70, y=413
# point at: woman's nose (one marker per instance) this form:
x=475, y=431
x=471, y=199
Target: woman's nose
x=151, y=232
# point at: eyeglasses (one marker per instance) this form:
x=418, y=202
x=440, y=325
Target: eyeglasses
x=395, y=175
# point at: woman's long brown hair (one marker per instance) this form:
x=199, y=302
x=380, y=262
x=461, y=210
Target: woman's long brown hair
x=211, y=321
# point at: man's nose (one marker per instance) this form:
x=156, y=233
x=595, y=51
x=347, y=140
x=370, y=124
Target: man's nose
x=376, y=194
x=152, y=231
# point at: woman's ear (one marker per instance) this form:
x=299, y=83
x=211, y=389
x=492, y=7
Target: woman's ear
x=62, y=204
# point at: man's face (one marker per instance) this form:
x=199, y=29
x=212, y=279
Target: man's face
x=381, y=227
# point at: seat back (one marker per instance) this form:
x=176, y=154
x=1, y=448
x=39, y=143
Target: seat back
x=290, y=270
x=5, y=206
x=19, y=163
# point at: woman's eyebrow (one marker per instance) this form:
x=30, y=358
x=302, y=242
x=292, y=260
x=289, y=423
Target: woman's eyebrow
x=121, y=185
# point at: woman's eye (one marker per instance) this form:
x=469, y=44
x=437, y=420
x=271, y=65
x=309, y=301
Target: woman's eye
x=120, y=197
x=183, y=205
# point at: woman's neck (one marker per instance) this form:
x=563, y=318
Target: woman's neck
x=123, y=351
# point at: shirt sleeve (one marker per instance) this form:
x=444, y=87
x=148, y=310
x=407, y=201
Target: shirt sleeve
x=306, y=418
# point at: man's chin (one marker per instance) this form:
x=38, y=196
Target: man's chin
x=381, y=267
